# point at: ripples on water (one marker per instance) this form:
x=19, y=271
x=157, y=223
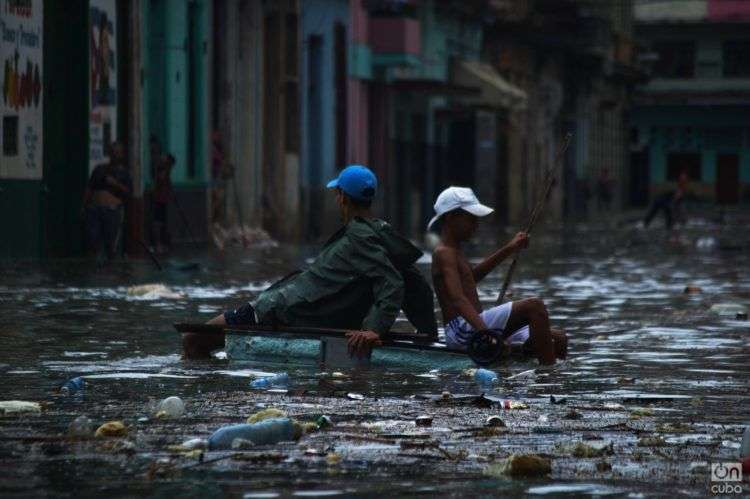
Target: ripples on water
x=632, y=330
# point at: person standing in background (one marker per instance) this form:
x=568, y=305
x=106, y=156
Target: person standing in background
x=604, y=189
x=218, y=179
x=160, y=201
x=109, y=186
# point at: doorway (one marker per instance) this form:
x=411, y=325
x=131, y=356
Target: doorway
x=727, y=179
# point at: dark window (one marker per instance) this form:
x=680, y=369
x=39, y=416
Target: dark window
x=684, y=162
x=291, y=45
x=676, y=59
x=291, y=85
x=340, y=79
x=10, y=136
x=736, y=58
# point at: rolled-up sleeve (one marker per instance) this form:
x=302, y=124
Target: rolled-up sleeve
x=371, y=259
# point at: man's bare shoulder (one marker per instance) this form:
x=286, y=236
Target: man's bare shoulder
x=444, y=256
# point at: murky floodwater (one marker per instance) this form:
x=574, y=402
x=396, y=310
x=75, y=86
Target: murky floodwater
x=635, y=340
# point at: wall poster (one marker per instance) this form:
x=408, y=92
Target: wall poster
x=21, y=106
x=103, y=85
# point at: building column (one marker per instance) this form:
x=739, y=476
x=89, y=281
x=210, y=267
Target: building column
x=134, y=137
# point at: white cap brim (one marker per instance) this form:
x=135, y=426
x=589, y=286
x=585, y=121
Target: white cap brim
x=433, y=220
x=478, y=210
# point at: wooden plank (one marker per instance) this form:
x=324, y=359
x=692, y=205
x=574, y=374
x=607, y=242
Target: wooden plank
x=398, y=340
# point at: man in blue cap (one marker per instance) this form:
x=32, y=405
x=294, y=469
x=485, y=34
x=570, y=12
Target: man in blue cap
x=362, y=277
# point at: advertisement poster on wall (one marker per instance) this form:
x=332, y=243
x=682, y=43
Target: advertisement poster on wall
x=103, y=94
x=21, y=106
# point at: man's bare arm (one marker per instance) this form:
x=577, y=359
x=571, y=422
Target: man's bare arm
x=446, y=260
x=521, y=240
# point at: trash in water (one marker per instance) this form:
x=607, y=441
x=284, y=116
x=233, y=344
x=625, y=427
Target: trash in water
x=674, y=428
x=309, y=427
x=332, y=458
x=557, y=401
x=520, y=465
x=485, y=377
x=691, y=290
x=741, y=316
x=314, y=452
x=277, y=380
x=355, y=396
x=705, y=243
x=523, y=374
x=641, y=412
x=592, y=448
x=112, y=429
x=423, y=421
x=73, y=386
x=652, y=442
x=729, y=309
x=495, y=421
x=270, y=413
x=324, y=422
x=603, y=466
x=153, y=292
x=269, y=431
x=573, y=414
x=513, y=405
x=195, y=443
x=171, y=407
x=117, y=446
x=242, y=444
x=18, y=406
x=81, y=426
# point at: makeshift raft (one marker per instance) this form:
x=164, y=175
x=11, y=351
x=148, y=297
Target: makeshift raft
x=329, y=347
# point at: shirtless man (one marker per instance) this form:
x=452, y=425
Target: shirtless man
x=458, y=210
x=109, y=186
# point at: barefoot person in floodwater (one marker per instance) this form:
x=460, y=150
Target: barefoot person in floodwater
x=458, y=211
x=362, y=277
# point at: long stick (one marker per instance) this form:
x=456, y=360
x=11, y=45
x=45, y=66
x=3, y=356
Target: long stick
x=150, y=253
x=550, y=178
x=186, y=327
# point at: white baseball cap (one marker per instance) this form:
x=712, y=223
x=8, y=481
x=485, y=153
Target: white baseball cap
x=458, y=197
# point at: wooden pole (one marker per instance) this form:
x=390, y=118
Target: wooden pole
x=550, y=180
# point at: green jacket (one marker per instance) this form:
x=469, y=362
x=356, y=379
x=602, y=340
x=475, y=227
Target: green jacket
x=363, y=276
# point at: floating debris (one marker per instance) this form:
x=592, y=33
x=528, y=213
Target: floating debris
x=423, y=421
x=269, y=413
x=495, y=421
x=656, y=441
x=112, y=429
x=591, y=448
x=523, y=465
x=19, y=406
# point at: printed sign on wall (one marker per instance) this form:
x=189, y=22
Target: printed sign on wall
x=103, y=94
x=21, y=109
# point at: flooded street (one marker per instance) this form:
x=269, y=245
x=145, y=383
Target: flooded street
x=647, y=361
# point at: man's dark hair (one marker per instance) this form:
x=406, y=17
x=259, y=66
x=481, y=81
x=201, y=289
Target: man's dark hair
x=359, y=203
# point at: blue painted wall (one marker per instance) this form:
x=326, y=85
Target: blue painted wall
x=710, y=130
x=168, y=56
x=319, y=132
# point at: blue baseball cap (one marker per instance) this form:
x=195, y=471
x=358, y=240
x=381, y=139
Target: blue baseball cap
x=357, y=181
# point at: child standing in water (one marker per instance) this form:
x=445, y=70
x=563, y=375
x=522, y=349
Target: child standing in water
x=524, y=321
